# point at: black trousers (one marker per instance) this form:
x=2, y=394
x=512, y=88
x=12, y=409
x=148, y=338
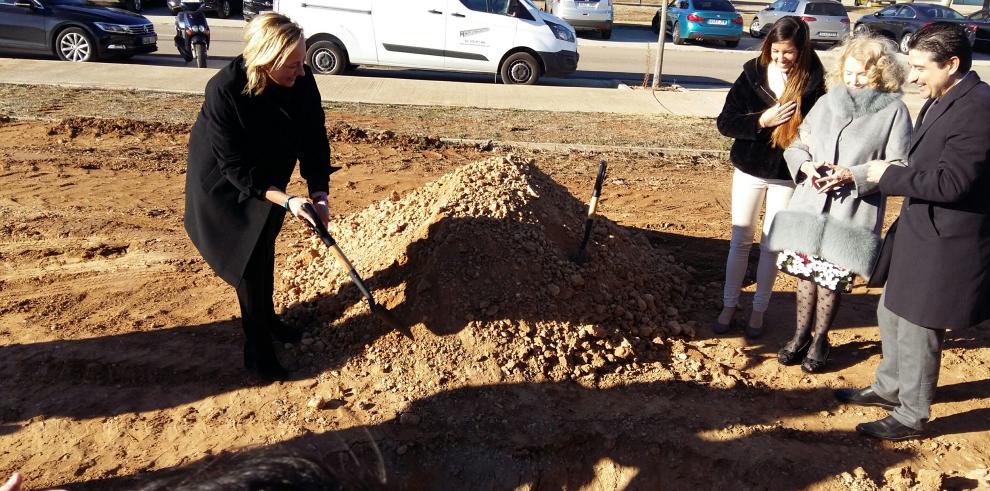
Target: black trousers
x=255, y=290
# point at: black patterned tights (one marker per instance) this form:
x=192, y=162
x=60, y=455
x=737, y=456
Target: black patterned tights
x=816, y=307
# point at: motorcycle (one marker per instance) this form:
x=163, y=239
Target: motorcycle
x=192, y=33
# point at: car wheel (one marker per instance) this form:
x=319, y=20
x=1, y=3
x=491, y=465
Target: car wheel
x=327, y=58
x=755, y=28
x=175, y=11
x=520, y=68
x=905, y=40
x=861, y=29
x=224, y=9
x=732, y=43
x=73, y=44
x=656, y=24
x=675, y=32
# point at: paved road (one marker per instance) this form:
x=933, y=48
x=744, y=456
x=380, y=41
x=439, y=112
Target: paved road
x=623, y=59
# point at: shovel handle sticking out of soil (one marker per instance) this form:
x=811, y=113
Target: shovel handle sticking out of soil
x=342, y=260
x=582, y=255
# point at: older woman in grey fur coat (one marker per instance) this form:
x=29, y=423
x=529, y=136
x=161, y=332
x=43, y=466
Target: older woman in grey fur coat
x=830, y=230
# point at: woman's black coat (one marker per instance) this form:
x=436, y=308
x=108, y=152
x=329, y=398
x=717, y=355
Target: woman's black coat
x=749, y=97
x=238, y=148
x=939, y=257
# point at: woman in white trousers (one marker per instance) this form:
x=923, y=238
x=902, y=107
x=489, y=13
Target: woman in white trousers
x=762, y=113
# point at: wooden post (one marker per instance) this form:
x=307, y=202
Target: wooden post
x=663, y=34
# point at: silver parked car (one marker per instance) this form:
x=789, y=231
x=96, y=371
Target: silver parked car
x=827, y=19
x=584, y=15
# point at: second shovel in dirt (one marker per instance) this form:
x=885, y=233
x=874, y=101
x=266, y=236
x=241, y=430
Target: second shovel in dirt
x=381, y=312
x=582, y=253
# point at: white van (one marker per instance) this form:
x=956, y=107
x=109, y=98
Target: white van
x=512, y=38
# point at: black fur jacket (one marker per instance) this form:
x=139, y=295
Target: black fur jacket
x=750, y=95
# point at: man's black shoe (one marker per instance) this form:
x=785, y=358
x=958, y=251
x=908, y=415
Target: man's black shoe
x=888, y=429
x=864, y=397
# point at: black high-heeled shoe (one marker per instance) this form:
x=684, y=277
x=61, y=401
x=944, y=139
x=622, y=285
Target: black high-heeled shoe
x=811, y=365
x=788, y=357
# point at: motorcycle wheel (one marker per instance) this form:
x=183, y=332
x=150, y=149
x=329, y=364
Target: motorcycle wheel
x=200, y=51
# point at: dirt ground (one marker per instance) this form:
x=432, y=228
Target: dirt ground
x=120, y=350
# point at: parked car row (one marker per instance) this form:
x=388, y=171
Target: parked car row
x=900, y=22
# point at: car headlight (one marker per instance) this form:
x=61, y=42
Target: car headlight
x=562, y=33
x=117, y=28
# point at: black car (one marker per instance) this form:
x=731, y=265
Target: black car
x=255, y=7
x=982, y=21
x=900, y=22
x=73, y=30
x=223, y=8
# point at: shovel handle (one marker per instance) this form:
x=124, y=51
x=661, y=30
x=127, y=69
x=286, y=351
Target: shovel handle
x=597, y=192
x=338, y=254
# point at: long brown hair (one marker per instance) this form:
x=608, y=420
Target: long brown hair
x=795, y=31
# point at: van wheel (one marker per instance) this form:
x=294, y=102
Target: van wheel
x=520, y=68
x=656, y=24
x=755, y=28
x=327, y=58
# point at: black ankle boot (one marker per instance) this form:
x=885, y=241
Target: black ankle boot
x=259, y=357
x=283, y=332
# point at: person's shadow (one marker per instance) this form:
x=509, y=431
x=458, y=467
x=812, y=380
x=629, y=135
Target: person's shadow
x=567, y=436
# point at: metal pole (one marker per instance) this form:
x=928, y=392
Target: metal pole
x=663, y=34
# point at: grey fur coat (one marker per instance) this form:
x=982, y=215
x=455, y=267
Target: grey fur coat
x=848, y=127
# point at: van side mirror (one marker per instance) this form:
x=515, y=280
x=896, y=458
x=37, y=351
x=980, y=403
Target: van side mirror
x=771, y=8
x=878, y=14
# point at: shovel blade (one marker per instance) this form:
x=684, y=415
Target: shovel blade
x=391, y=321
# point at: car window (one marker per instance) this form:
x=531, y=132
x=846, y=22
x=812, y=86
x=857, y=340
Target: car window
x=825, y=8
x=907, y=13
x=777, y=5
x=945, y=13
x=889, y=11
x=714, y=5
x=790, y=5
x=476, y=5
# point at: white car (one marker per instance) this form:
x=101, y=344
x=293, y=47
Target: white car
x=591, y=15
x=512, y=38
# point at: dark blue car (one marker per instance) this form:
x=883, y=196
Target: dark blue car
x=73, y=30
x=702, y=20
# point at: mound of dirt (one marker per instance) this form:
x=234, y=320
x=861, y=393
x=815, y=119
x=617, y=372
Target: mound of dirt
x=484, y=252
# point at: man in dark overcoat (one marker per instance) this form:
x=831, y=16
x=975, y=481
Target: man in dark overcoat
x=936, y=259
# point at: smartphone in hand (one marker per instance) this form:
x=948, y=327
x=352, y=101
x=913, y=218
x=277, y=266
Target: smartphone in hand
x=823, y=172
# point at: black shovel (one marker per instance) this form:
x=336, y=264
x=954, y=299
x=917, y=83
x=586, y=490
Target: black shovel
x=387, y=317
x=582, y=255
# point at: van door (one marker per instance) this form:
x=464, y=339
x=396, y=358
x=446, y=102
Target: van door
x=410, y=32
x=479, y=32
